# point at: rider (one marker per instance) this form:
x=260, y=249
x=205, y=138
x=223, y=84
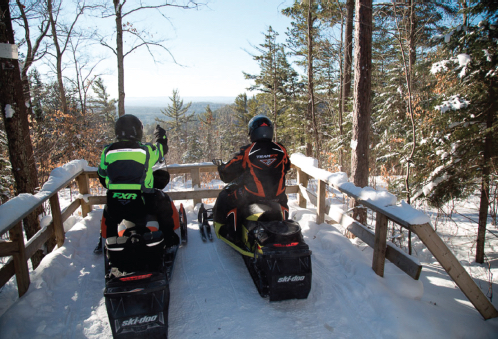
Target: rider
x=259, y=172
x=126, y=171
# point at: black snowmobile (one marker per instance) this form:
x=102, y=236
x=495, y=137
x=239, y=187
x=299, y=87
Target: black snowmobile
x=273, y=249
x=138, y=269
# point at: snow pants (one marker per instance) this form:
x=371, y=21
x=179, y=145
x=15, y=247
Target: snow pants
x=233, y=197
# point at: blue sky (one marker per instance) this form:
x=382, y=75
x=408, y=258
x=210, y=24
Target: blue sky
x=211, y=44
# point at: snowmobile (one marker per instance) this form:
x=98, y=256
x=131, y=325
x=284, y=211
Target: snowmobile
x=139, y=268
x=273, y=249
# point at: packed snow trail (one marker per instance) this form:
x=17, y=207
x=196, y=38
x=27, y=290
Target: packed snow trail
x=213, y=295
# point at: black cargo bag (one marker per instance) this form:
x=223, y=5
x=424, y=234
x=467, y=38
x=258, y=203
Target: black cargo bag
x=137, y=305
x=137, y=290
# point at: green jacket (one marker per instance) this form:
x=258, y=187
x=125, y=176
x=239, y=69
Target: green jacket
x=127, y=165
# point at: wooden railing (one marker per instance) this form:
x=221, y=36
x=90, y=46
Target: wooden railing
x=20, y=251
x=378, y=239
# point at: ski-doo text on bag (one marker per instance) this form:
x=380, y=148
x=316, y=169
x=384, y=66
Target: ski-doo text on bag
x=291, y=278
x=137, y=320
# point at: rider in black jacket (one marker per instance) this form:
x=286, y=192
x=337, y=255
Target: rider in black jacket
x=256, y=173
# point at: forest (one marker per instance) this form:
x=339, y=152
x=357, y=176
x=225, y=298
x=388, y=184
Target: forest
x=405, y=90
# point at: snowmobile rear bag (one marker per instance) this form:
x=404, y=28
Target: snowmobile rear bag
x=137, y=305
x=287, y=271
x=279, y=232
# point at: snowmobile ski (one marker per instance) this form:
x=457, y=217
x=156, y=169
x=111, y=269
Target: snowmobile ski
x=203, y=234
x=183, y=224
x=204, y=227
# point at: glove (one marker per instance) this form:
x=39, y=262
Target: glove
x=160, y=134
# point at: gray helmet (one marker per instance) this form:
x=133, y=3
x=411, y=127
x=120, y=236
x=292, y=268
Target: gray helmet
x=260, y=128
x=129, y=127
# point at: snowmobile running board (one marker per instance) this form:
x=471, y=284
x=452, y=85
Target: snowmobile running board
x=237, y=248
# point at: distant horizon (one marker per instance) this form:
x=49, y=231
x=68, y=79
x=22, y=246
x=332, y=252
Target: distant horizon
x=165, y=100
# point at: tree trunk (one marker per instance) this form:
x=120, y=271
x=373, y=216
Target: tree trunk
x=362, y=101
x=120, y=57
x=15, y=117
x=311, y=91
x=62, y=91
x=486, y=170
x=346, y=83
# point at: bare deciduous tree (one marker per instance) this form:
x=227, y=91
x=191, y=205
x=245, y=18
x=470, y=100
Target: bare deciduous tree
x=141, y=37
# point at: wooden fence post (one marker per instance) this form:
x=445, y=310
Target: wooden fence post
x=195, y=174
x=302, y=179
x=455, y=270
x=57, y=219
x=320, y=206
x=19, y=258
x=84, y=188
x=379, y=255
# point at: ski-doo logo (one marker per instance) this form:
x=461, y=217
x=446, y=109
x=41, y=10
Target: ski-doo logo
x=127, y=196
x=291, y=278
x=137, y=320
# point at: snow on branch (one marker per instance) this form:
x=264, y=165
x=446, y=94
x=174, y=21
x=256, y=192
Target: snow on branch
x=453, y=103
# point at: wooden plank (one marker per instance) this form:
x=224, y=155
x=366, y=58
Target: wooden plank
x=400, y=259
x=37, y=241
x=308, y=195
x=292, y=189
x=198, y=194
x=57, y=220
x=20, y=263
x=204, y=167
x=84, y=188
x=7, y=272
x=455, y=270
x=8, y=248
x=379, y=255
x=302, y=180
x=42, y=199
x=97, y=200
x=66, y=212
x=196, y=182
x=320, y=208
x=33, y=245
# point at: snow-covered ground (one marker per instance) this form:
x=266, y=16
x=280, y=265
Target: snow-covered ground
x=213, y=296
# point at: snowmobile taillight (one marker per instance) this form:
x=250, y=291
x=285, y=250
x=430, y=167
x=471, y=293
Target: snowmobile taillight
x=136, y=277
x=286, y=245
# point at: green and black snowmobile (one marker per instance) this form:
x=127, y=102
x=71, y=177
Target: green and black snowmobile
x=273, y=249
x=138, y=268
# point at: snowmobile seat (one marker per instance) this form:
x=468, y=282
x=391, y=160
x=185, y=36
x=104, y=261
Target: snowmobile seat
x=260, y=211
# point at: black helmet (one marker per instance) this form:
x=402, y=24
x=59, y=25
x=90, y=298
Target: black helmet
x=129, y=127
x=260, y=127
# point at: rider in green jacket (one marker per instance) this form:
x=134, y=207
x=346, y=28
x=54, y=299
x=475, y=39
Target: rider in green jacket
x=126, y=171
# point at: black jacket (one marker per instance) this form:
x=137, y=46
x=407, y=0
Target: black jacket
x=260, y=168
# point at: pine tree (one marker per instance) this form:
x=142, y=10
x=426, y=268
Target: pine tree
x=464, y=133
x=303, y=41
x=272, y=81
x=207, y=124
x=176, y=125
